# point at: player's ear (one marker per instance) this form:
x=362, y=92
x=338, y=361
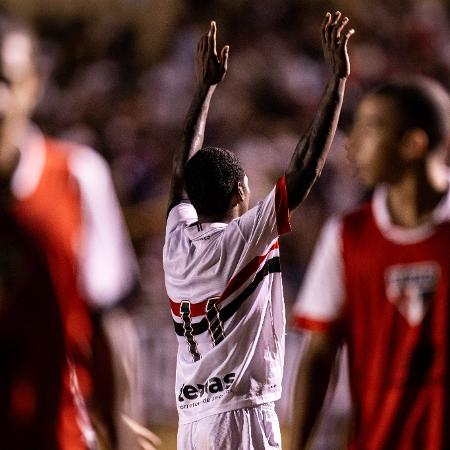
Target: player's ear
x=414, y=144
x=240, y=191
x=238, y=194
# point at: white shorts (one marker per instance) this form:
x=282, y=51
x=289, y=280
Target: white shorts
x=254, y=428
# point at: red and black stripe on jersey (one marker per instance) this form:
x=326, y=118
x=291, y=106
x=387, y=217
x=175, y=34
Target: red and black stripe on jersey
x=272, y=265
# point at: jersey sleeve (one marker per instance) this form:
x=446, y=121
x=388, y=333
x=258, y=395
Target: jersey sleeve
x=269, y=219
x=320, y=300
x=108, y=267
x=182, y=213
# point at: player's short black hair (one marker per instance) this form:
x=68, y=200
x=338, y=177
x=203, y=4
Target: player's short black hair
x=211, y=177
x=423, y=103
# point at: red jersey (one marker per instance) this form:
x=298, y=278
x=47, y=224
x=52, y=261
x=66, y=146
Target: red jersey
x=31, y=362
x=64, y=199
x=387, y=290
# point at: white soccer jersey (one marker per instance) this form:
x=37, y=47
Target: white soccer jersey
x=225, y=289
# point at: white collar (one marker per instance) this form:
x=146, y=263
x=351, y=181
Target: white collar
x=28, y=172
x=200, y=231
x=404, y=235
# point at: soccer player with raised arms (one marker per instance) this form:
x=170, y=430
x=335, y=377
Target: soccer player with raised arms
x=222, y=268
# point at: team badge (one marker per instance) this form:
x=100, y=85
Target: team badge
x=411, y=288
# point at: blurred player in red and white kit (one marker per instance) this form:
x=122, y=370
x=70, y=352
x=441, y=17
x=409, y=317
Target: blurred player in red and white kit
x=379, y=280
x=62, y=197
x=222, y=267
x=30, y=361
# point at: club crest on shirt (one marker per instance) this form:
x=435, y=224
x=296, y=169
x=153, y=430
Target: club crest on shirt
x=411, y=288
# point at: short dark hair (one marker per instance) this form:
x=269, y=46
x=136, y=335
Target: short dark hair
x=212, y=175
x=423, y=103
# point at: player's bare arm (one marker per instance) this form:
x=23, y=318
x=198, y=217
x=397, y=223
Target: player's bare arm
x=312, y=381
x=311, y=151
x=144, y=437
x=211, y=69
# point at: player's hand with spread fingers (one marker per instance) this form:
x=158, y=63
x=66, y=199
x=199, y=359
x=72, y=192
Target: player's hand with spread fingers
x=335, y=37
x=211, y=68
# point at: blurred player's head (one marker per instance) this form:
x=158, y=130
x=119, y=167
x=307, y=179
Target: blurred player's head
x=216, y=183
x=19, y=81
x=397, y=127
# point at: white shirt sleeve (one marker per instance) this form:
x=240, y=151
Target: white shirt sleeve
x=181, y=214
x=263, y=223
x=108, y=267
x=322, y=295
x=258, y=225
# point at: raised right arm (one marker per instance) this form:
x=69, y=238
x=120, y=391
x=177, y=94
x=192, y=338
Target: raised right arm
x=210, y=71
x=312, y=150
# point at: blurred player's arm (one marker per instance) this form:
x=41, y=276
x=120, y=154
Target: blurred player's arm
x=319, y=308
x=146, y=439
x=211, y=70
x=311, y=385
x=311, y=151
x=109, y=271
x=109, y=277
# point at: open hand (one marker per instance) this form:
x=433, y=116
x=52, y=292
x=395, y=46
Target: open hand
x=334, y=43
x=210, y=68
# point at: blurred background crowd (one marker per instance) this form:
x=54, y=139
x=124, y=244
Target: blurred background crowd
x=120, y=78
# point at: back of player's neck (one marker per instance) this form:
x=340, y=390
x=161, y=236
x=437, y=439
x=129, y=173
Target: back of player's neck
x=226, y=218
